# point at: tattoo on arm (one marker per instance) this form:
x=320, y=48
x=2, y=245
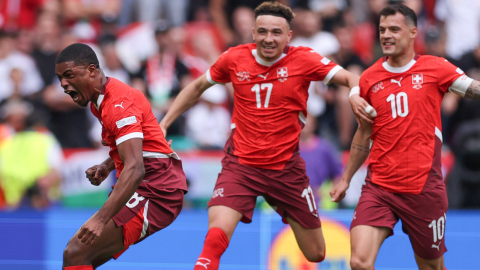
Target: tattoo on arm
x=473, y=90
x=361, y=148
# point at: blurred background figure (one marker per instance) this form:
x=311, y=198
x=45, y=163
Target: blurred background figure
x=208, y=122
x=243, y=23
x=322, y=163
x=29, y=160
x=19, y=75
x=163, y=75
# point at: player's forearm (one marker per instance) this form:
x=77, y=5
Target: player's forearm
x=359, y=152
x=109, y=163
x=127, y=183
x=185, y=100
x=473, y=91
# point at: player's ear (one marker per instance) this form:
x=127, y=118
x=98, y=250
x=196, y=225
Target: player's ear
x=413, y=32
x=289, y=35
x=92, y=69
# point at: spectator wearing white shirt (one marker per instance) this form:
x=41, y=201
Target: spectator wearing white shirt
x=208, y=122
x=18, y=73
x=462, y=25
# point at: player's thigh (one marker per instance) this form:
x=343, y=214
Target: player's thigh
x=365, y=242
x=436, y=264
x=109, y=243
x=309, y=240
x=224, y=218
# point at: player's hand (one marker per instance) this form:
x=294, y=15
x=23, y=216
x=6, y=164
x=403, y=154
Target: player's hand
x=97, y=174
x=91, y=230
x=361, y=109
x=164, y=131
x=339, y=191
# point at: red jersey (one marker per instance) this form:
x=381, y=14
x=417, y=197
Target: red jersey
x=125, y=113
x=270, y=101
x=408, y=127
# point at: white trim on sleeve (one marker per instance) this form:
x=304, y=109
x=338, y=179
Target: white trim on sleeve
x=232, y=126
x=209, y=78
x=438, y=133
x=129, y=136
x=302, y=117
x=332, y=73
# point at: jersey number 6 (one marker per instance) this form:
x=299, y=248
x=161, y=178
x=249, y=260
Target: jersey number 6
x=256, y=88
x=397, y=109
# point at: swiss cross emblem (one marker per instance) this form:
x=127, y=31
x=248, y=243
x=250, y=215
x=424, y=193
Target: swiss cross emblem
x=417, y=80
x=282, y=74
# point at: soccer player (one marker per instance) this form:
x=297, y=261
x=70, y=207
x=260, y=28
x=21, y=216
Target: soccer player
x=270, y=81
x=148, y=195
x=404, y=179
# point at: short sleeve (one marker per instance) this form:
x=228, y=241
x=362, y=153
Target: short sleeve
x=318, y=68
x=219, y=73
x=447, y=73
x=125, y=119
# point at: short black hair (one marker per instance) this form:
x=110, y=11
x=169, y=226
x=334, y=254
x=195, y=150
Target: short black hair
x=407, y=12
x=79, y=53
x=275, y=9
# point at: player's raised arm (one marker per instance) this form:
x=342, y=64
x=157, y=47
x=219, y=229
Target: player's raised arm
x=360, y=107
x=131, y=154
x=359, y=152
x=185, y=100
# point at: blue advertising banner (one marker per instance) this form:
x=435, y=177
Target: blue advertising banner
x=36, y=240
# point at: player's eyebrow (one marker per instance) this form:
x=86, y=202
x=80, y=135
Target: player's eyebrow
x=65, y=72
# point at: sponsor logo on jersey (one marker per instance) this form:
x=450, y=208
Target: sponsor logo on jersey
x=459, y=71
x=119, y=105
x=377, y=87
x=282, y=74
x=217, y=192
x=243, y=75
x=284, y=253
x=263, y=76
x=325, y=61
x=126, y=121
x=399, y=82
x=417, y=80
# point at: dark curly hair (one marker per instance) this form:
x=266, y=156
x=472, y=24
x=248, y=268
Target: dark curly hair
x=407, y=12
x=79, y=53
x=275, y=9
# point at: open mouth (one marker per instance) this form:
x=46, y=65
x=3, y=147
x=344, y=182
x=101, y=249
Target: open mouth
x=388, y=44
x=74, y=95
x=268, y=48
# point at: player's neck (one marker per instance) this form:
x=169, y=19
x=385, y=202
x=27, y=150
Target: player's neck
x=401, y=60
x=98, y=88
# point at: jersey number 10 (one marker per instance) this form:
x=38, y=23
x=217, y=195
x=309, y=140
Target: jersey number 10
x=256, y=88
x=397, y=108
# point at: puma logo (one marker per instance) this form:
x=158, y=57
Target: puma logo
x=437, y=246
x=264, y=77
x=203, y=264
x=119, y=105
x=398, y=82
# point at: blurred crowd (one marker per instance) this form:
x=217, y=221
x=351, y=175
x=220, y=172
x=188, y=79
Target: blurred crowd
x=159, y=46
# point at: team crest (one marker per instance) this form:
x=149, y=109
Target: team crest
x=417, y=80
x=243, y=75
x=282, y=74
x=377, y=87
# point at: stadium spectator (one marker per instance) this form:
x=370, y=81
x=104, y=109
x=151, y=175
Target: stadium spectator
x=163, y=75
x=19, y=14
x=112, y=67
x=14, y=69
x=208, y=122
x=243, y=23
x=322, y=162
x=29, y=160
x=462, y=25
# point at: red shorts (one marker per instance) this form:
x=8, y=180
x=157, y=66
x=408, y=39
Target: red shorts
x=423, y=215
x=287, y=191
x=151, y=208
